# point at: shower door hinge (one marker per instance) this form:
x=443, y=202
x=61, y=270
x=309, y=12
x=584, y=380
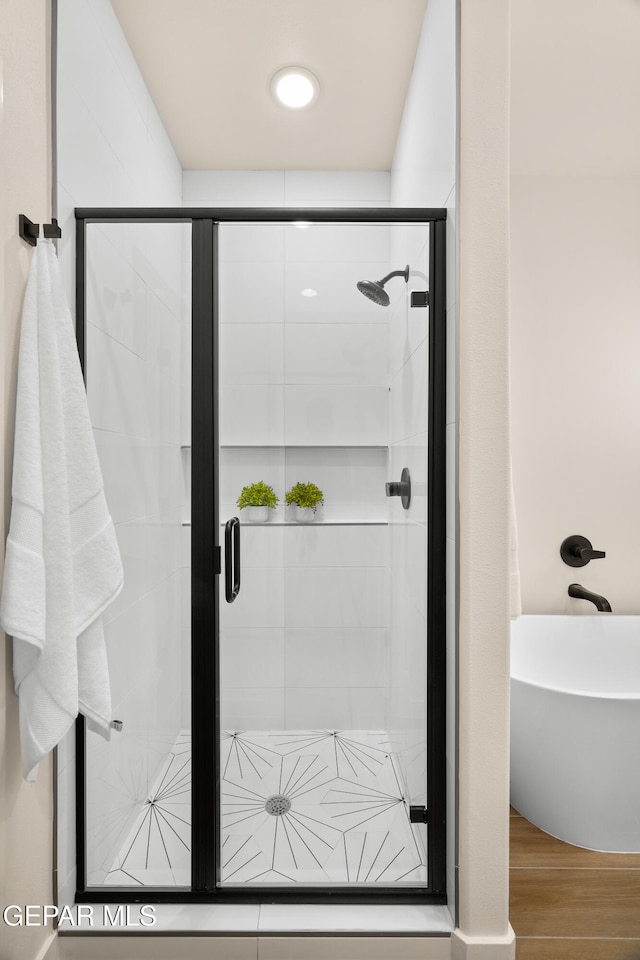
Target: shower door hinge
x=217, y=560
x=418, y=814
x=419, y=298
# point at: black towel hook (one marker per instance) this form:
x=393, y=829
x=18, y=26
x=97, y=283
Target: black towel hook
x=30, y=231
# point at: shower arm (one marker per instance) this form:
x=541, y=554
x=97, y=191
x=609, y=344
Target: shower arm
x=395, y=273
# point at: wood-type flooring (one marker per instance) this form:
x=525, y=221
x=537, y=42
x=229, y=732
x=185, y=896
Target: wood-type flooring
x=568, y=903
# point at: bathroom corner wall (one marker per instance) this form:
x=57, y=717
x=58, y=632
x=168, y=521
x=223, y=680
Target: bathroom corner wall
x=483, y=928
x=26, y=809
x=575, y=289
x=575, y=248
x=112, y=150
x=424, y=174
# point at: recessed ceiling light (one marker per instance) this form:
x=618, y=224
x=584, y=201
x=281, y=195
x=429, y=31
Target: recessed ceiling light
x=309, y=292
x=295, y=87
x=301, y=224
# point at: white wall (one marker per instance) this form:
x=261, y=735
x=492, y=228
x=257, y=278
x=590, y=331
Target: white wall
x=424, y=174
x=483, y=488
x=575, y=341
x=26, y=820
x=113, y=151
x=575, y=248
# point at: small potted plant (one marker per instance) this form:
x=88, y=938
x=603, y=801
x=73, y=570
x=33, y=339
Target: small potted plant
x=305, y=497
x=257, y=499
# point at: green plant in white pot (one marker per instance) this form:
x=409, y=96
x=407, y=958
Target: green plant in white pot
x=305, y=497
x=258, y=499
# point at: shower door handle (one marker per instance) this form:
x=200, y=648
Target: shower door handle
x=232, y=559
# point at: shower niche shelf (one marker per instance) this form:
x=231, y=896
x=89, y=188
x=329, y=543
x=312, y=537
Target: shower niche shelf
x=312, y=523
x=315, y=523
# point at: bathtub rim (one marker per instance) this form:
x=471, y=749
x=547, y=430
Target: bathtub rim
x=571, y=691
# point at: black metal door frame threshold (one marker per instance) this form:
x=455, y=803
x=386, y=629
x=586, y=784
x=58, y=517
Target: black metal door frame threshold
x=205, y=559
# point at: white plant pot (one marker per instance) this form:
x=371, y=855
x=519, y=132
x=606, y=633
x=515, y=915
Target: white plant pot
x=257, y=514
x=305, y=514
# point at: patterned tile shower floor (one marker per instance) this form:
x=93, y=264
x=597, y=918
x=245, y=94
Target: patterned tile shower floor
x=305, y=806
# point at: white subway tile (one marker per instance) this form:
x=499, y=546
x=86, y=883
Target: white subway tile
x=120, y=57
x=109, y=101
x=346, y=475
x=353, y=546
x=335, y=708
x=115, y=386
x=349, y=353
x=337, y=297
x=164, y=538
x=408, y=328
x=260, y=603
x=253, y=242
x=336, y=415
x=252, y=353
x=409, y=397
x=337, y=242
x=89, y=169
x=251, y=415
x=116, y=294
x=124, y=462
x=336, y=596
x=348, y=186
x=335, y=657
x=409, y=560
x=409, y=245
x=251, y=292
x=133, y=541
x=252, y=709
x=261, y=544
x=251, y=658
x=247, y=188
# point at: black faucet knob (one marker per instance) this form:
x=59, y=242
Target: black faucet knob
x=400, y=488
x=577, y=551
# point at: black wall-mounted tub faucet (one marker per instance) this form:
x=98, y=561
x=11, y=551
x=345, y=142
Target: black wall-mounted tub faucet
x=577, y=551
x=580, y=593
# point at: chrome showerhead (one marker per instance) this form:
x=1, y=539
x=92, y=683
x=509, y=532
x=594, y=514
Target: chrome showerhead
x=374, y=289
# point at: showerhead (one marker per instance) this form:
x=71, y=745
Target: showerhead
x=374, y=289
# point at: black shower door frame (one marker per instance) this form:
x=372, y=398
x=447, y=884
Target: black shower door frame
x=206, y=566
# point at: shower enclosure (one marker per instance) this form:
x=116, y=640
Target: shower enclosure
x=279, y=684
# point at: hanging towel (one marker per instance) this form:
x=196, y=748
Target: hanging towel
x=62, y=565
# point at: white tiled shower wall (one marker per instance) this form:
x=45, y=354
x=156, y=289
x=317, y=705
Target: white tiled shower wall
x=408, y=347
x=424, y=174
x=304, y=396
x=113, y=151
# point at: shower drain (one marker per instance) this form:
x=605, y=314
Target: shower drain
x=277, y=805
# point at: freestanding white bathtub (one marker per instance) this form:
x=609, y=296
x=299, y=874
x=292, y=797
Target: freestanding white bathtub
x=575, y=728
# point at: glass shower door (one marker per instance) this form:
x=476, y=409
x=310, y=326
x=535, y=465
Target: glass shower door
x=320, y=756
x=137, y=334
x=275, y=681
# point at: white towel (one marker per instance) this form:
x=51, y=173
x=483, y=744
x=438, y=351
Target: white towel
x=62, y=566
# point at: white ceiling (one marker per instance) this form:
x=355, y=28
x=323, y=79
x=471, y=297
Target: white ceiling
x=208, y=66
x=575, y=87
